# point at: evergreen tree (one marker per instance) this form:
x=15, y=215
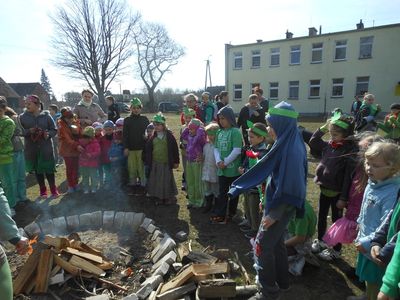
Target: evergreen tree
x=45, y=82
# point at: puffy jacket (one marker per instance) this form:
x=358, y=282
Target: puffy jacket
x=7, y=127
x=90, y=157
x=68, y=138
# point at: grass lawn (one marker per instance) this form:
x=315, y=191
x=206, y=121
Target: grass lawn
x=331, y=281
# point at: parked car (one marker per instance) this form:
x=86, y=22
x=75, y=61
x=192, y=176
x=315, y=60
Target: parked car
x=168, y=107
x=123, y=107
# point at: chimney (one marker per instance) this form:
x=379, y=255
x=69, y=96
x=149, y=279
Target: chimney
x=360, y=25
x=320, y=29
x=259, y=41
x=312, y=31
x=289, y=35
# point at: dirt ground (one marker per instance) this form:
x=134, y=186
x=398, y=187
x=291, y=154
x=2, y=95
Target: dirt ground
x=332, y=281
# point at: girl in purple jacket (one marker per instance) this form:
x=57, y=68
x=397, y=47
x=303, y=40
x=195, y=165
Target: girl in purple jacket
x=195, y=137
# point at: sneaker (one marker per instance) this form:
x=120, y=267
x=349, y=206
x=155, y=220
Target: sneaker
x=329, y=254
x=94, y=191
x=318, y=246
x=361, y=297
x=85, y=191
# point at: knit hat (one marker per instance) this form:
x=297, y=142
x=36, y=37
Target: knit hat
x=188, y=111
x=194, y=124
x=97, y=125
x=159, y=118
x=88, y=131
x=119, y=122
x=136, y=102
x=395, y=106
x=108, y=124
x=150, y=126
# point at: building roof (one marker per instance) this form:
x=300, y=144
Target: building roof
x=6, y=90
x=24, y=89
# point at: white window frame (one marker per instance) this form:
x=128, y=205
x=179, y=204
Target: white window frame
x=273, y=88
x=316, y=48
x=294, y=51
x=295, y=84
x=237, y=88
x=275, y=52
x=238, y=56
x=340, y=44
x=314, y=84
x=366, y=44
x=255, y=57
x=337, y=85
x=361, y=81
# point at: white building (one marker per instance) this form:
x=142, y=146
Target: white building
x=318, y=72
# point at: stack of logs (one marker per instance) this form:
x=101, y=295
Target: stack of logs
x=53, y=256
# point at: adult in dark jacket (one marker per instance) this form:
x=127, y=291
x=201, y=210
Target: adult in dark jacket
x=222, y=99
x=112, y=109
x=253, y=112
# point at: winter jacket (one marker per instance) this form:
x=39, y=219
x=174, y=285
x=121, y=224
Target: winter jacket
x=387, y=234
x=334, y=171
x=194, y=144
x=117, y=151
x=7, y=127
x=68, y=139
x=134, y=132
x=113, y=112
x=391, y=280
x=173, y=152
x=34, y=142
x=209, y=171
x=379, y=198
x=17, y=139
x=105, y=145
x=91, y=155
x=244, y=116
x=88, y=115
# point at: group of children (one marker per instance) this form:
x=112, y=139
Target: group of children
x=358, y=173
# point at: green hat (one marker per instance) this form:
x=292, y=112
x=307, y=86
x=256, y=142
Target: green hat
x=136, y=102
x=256, y=130
x=88, y=131
x=188, y=111
x=336, y=120
x=159, y=118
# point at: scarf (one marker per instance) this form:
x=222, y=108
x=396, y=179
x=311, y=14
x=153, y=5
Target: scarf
x=84, y=103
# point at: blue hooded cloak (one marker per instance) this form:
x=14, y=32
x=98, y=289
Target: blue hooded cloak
x=286, y=163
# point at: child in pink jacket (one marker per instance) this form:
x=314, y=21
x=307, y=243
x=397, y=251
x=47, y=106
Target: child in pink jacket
x=89, y=160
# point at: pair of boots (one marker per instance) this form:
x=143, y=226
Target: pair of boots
x=208, y=200
x=53, y=189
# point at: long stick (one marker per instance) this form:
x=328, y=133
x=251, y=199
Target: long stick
x=111, y=284
x=245, y=274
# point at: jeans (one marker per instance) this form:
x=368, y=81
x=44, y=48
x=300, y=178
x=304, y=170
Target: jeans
x=19, y=183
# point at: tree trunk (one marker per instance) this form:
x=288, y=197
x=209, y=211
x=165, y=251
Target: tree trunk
x=152, y=106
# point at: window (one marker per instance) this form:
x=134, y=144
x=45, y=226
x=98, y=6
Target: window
x=253, y=86
x=238, y=60
x=237, y=92
x=340, y=50
x=337, y=87
x=273, y=90
x=295, y=55
x=366, y=47
x=256, y=59
x=316, y=53
x=275, y=55
x=293, y=90
x=362, y=85
x=315, y=86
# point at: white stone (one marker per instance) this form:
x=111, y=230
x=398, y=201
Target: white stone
x=73, y=223
x=151, y=228
x=96, y=219
x=154, y=281
x=60, y=225
x=177, y=266
x=32, y=229
x=144, y=291
x=84, y=220
x=170, y=258
x=108, y=219
x=127, y=224
x=131, y=297
x=47, y=226
x=146, y=222
x=162, y=270
x=118, y=220
x=137, y=220
x=167, y=244
x=157, y=233
x=98, y=297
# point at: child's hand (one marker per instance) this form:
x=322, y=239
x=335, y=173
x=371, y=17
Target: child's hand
x=268, y=222
x=241, y=170
x=375, y=255
x=360, y=248
x=126, y=152
x=382, y=296
x=45, y=135
x=80, y=148
x=22, y=246
x=341, y=204
x=221, y=165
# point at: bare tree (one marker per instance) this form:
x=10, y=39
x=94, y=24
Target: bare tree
x=93, y=41
x=157, y=53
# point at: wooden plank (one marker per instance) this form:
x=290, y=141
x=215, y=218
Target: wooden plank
x=179, y=279
x=85, y=248
x=26, y=273
x=55, y=270
x=68, y=267
x=222, y=254
x=86, y=266
x=106, y=265
x=92, y=257
x=207, y=269
x=243, y=269
x=176, y=293
x=217, y=288
x=44, y=268
x=199, y=257
x=182, y=250
x=57, y=242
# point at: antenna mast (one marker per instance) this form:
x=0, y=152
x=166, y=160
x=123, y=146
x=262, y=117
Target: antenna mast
x=208, y=73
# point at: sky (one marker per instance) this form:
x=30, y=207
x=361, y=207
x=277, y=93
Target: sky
x=201, y=27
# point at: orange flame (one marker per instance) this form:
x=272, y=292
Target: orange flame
x=31, y=242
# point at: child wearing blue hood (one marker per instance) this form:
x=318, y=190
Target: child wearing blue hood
x=228, y=146
x=286, y=165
